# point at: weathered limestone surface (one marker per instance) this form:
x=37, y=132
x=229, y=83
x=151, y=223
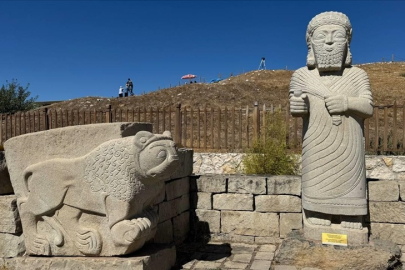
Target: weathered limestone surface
x=250, y=223
x=278, y=203
x=181, y=226
x=11, y=245
x=90, y=190
x=210, y=217
x=247, y=184
x=284, y=184
x=383, y=191
x=302, y=254
x=225, y=237
x=390, y=232
x=267, y=240
x=233, y=202
x=164, y=233
x=5, y=184
x=69, y=142
x=9, y=217
x=387, y=212
x=402, y=189
x=151, y=258
x=177, y=188
x=201, y=200
x=217, y=163
x=288, y=222
x=206, y=183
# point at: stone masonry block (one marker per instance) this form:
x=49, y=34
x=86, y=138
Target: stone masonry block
x=181, y=226
x=284, y=184
x=233, y=238
x=383, y=191
x=9, y=217
x=247, y=184
x=289, y=222
x=11, y=245
x=161, y=197
x=177, y=188
x=186, y=164
x=167, y=210
x=391, y=232
x=170, y=209
x=249, y=223
x=233, y=202
x=277, y=203
x=183, y=204
x=402, y=189
x=164, y=232
x=387, y=212
x=211, y=217
x=399, y=165
x=211, y=183
x=201, y=200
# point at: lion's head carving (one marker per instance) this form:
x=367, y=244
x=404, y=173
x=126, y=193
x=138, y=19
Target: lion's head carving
x=123, y=167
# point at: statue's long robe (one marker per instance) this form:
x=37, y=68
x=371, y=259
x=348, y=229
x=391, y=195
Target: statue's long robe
x=333, y=158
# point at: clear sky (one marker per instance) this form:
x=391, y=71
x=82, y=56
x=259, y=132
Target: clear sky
x=73, y=49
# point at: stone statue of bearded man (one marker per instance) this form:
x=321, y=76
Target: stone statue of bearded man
x=333, y=98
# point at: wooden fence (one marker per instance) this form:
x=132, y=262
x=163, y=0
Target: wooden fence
x=209, y=129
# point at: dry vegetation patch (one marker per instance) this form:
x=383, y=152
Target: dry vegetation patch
x=266, y=86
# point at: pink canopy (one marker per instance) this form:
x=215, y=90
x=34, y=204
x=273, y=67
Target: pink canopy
x=188, y=76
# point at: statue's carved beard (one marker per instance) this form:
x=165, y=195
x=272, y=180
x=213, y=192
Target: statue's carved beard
x=329, y=61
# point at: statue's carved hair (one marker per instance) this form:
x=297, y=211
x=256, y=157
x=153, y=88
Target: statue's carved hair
x=328, y=18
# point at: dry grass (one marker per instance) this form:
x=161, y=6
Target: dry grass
x=266, y=86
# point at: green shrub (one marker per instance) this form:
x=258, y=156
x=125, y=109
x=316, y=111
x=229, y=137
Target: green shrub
x=269, y=155
x=402, y=74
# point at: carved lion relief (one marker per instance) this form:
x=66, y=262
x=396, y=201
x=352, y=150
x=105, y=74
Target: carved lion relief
x=99, y=204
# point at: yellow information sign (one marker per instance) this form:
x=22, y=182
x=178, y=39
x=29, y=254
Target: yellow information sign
x=334, y=239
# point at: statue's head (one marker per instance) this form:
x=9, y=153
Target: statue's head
x=328, y=40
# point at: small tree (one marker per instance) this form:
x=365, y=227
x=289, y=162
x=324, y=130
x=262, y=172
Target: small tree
x=14, y=98
x=269, y=155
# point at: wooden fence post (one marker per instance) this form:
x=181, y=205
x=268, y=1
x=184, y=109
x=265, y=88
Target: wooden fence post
x=45, y=118
x=177, y=125
x=108, y=116
x=1, y=130
x=256, y=121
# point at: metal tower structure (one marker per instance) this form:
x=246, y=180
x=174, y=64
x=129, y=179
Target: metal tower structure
x=262, y=64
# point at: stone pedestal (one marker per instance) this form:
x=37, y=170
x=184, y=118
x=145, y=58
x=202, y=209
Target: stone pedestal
x=152, y=257
x=354, y=237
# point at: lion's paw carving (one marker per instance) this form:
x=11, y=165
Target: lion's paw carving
x=39, y=245
x=88, y=241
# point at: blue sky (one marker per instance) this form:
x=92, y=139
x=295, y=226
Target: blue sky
x=73, y=49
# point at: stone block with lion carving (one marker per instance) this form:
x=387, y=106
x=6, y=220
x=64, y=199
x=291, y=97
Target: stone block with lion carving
x=81, y=200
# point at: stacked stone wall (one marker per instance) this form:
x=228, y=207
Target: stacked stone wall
x=378, y=167
x=250, y=209
x=264, y=209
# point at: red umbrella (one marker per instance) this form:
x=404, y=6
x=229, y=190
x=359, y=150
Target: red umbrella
x=188, y=76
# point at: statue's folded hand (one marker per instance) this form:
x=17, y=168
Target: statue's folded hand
x=299, y=105
x=336, y=104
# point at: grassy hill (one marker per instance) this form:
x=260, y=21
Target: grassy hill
x=266, y=86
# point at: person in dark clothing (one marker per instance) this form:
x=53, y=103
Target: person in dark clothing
x=130, y=87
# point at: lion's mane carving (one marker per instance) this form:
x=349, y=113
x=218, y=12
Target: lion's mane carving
x=116, y=183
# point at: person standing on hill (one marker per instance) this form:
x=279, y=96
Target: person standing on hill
x=120, y=91
x=130, y=87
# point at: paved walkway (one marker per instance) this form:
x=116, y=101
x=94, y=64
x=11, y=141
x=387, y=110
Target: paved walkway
x=218, y=256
